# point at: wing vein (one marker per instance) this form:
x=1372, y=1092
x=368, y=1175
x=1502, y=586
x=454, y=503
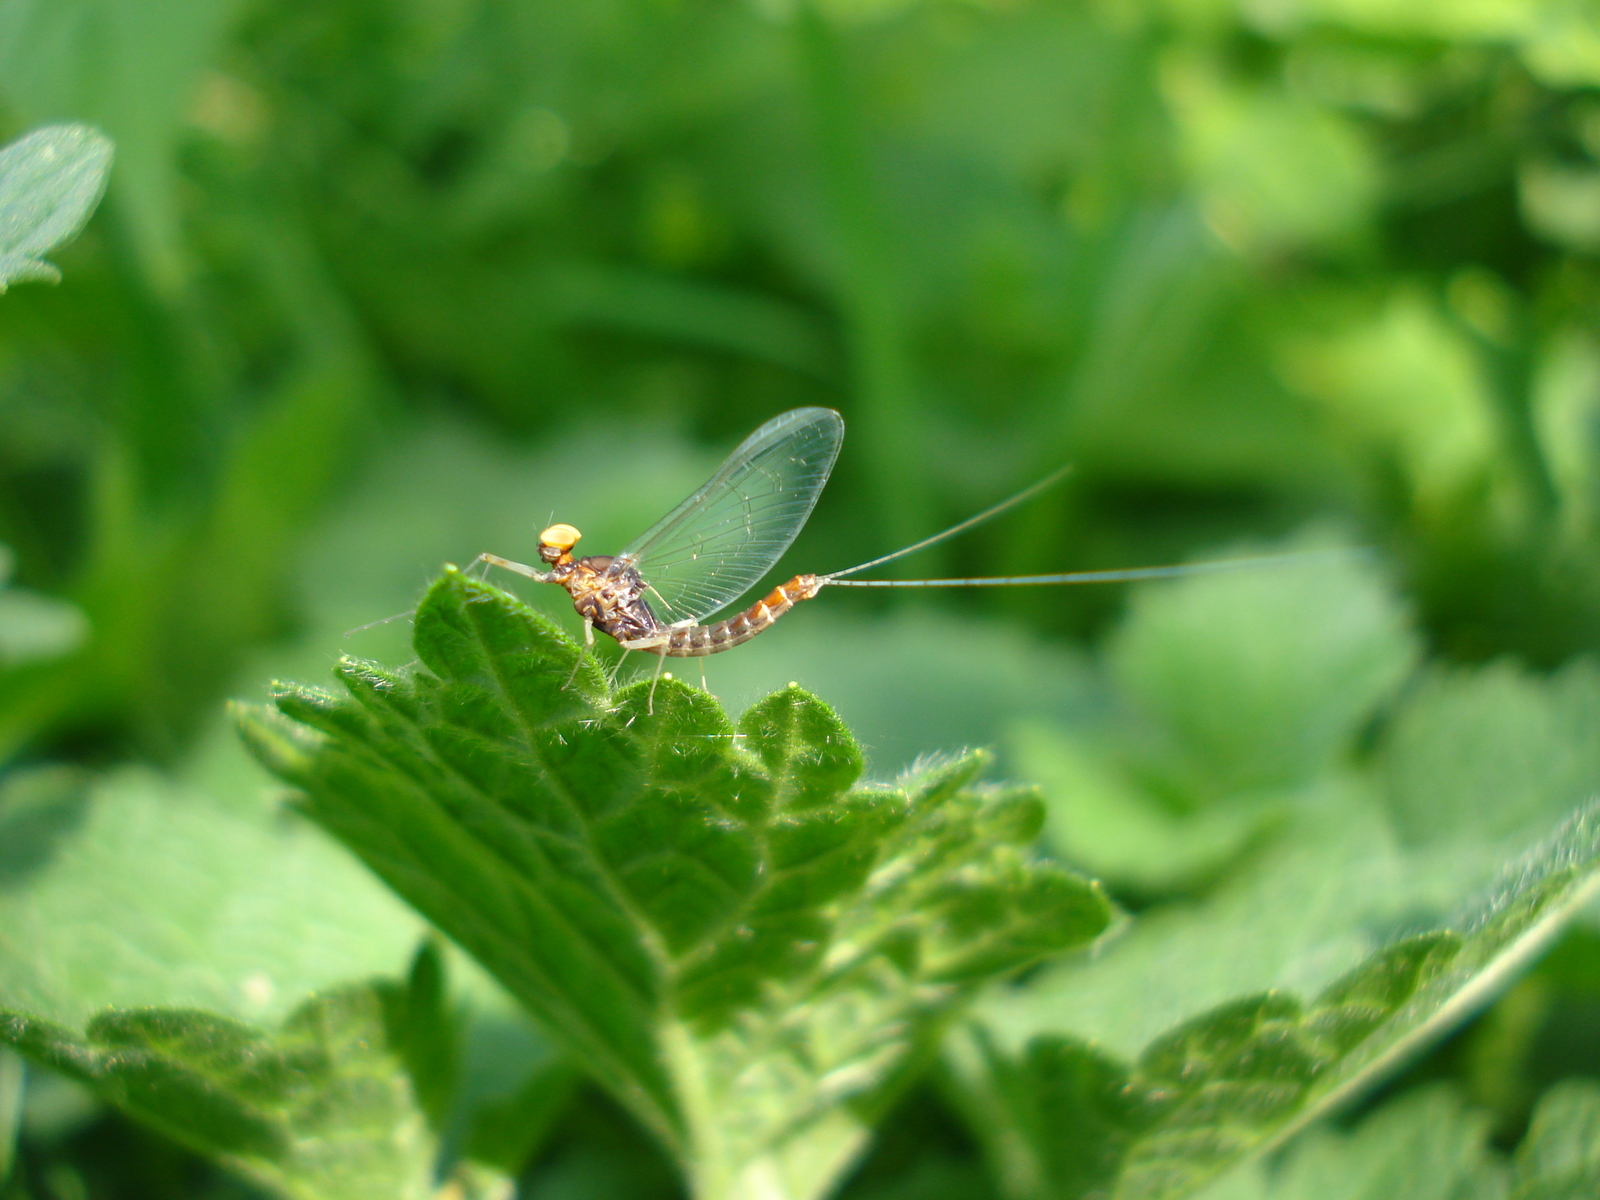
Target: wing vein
x=711, y=548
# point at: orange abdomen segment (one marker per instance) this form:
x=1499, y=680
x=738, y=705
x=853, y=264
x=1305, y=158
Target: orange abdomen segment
x=699, y=640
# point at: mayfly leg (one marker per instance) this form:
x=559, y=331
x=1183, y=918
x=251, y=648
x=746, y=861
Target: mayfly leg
x=523, y=569
x=588, y=644
x=505, y=564
x=650, y=700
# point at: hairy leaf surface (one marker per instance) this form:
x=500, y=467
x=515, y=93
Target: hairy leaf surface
x=320, y=1110
x=740, y=939
x=1246, y=1074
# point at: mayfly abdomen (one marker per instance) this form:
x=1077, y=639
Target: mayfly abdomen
x=696, y=641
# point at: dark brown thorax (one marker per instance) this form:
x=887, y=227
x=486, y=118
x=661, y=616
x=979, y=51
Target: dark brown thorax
x=608, y=594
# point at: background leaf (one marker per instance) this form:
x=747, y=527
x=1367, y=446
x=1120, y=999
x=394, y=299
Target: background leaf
x=1230, y=695
x=1232, y=1080
x=1430, y=1144
x=50, y=181
x=130, y=892
x=321, y=1109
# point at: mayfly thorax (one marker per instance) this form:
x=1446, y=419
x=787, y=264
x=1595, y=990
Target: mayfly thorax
x=656, y=595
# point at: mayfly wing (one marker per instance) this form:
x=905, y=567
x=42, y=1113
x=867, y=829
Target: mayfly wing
x=708, y=551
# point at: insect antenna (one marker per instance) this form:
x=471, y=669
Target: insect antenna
x=1026, y=493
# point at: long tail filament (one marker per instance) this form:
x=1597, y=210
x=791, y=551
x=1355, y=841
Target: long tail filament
x=1122, y=575
x=1025, y=494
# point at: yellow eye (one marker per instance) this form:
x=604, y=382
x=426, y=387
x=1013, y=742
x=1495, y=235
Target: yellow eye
x=560, y=537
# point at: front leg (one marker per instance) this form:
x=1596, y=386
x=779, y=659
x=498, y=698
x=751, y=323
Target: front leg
x=494, y=560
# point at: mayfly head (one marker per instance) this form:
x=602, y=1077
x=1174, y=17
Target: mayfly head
x=556, y=543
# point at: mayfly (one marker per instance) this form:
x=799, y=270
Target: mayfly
x=656, y=595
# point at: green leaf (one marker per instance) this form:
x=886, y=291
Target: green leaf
x=423, y=1030
x=506, y=1131
x=508, y=1084
x=1238, y=690
x=321, y=1110
x=1310, y=904
x=1248, y=1073
x=1560, y=1155
x=1102, y=818
x=174, y=899
x=721, y=924
x=1475, y=756
x=1401, y=381
x=50, y=181
x=1426, y=1145
x=1057, y=1117
x=1260, y=679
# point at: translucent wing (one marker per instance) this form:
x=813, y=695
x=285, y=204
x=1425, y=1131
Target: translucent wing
x=708, y=551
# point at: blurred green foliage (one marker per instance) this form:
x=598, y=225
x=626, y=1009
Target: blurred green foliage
x=379, y=284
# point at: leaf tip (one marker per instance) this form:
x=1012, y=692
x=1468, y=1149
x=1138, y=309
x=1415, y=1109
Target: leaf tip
x=279, y=744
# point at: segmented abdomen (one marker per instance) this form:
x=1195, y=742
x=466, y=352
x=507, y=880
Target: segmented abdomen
x=699, y=640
